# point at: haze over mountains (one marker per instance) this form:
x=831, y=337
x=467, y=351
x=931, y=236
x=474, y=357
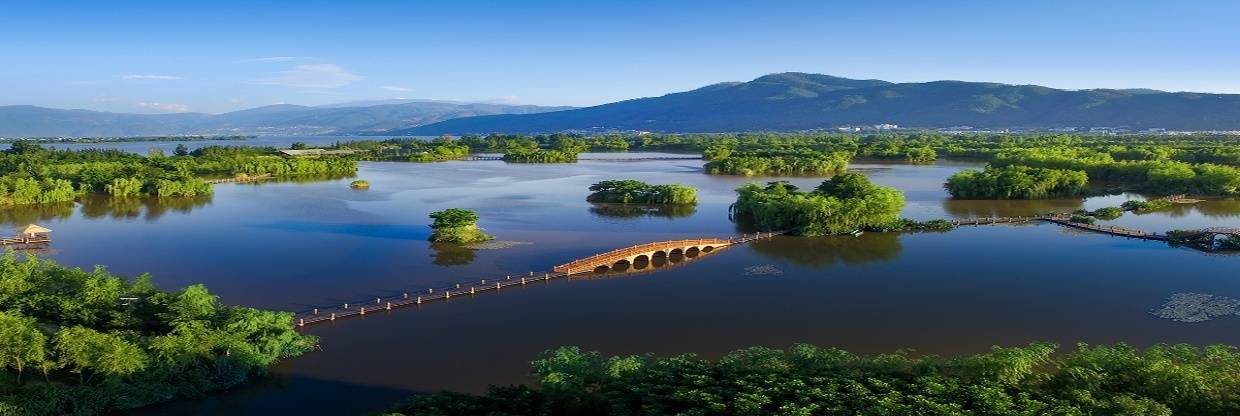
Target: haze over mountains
x=349, y=118
x=786, y=101
x=799, y=101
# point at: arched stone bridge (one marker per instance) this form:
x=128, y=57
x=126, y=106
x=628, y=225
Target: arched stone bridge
x=648, y=251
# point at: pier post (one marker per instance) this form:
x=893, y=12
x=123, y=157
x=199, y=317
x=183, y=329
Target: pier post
x=496, y=285
x=376, y=301
x=546, y=276
x=430, y=290
x=301, y=322
x=316, y=311
x=458, y=285
x=522, y=280
x=346, y=306
x=471, y=290
x=363, y=310
x=389, y=306
x=447, y=295
x=333, y=316
x=406, y=296
x=509, y=277
x=419, y=300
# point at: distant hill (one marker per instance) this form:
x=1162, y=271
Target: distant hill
x=31, y=121
x=799, y=101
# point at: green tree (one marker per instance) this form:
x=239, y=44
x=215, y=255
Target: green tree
x=86, y=350
x=22, y=344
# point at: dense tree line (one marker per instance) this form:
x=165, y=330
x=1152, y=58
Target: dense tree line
x=85, y=342
x=842, y=204
x=407, y=150
x=1016, y=182
x=32, y=174
x=540, y=156
x=810, y=380
x=775, y=162
x=637, y=192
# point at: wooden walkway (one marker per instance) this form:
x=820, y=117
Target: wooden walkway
x=418, y=297
x=25, y=241
x=1067, y=222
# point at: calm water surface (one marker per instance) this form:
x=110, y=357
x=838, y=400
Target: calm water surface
x=296, y=245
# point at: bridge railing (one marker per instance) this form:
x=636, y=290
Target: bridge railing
x=640, y=248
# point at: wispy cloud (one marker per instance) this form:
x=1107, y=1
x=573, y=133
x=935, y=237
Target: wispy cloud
x=163, y=107
x=311, y=76
x=151, y=77
x=397, y=88
x=270, y=59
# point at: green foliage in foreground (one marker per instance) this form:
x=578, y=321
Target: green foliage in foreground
x=842, y=204
x=636, y=192
x=458, y=226
x=809, y=380
x=1016, y=182
x=86, y=342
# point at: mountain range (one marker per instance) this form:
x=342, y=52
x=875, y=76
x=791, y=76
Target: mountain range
x=800, y=101
x=776, y=102
x=350, y=118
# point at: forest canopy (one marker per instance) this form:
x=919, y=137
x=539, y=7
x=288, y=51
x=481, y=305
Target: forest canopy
x=636, y=192
x=842, y=204
x=811, y=380
x=86, y=342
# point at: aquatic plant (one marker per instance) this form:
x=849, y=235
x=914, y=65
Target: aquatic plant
x=359, y=184
x=1108, y=213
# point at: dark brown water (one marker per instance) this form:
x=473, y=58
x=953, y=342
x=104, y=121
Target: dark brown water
x=297, y=245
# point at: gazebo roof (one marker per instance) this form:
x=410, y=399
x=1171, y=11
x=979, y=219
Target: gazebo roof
x=33, y=229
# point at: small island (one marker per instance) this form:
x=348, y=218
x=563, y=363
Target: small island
x=631, y=191
x=844, y=204
x=456, y=226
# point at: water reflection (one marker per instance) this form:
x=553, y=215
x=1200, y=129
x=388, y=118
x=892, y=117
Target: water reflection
x=971, y=208
x=452, y=254
x=823, y=252
x=148, y=208
x=644, y=266
x=27, y=214
x=634, y=211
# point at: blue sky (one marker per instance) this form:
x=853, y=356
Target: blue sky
x=164, y=56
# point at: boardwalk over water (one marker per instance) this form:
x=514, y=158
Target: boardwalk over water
x=1067, y=222
x=418, y=297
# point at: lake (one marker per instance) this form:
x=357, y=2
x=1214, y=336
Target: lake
x=296, y=245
